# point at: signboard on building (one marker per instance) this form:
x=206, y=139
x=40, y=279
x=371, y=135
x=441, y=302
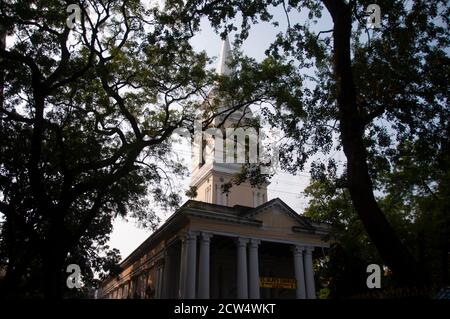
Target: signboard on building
x=275, y=282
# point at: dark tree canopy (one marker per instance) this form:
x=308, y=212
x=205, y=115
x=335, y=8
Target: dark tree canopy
x=85, y=123
x=87, y=119
x=86, y=115
x=360, y=91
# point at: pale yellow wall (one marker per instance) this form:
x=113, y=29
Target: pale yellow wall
x=239, y=194
x=276, y=219
x=145, y=264
x=276, y=225
x=201, y=190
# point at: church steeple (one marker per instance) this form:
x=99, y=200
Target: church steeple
x=209, y=176
x=224, y=58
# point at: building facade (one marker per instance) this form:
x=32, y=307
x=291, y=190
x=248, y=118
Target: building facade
x=234, y=244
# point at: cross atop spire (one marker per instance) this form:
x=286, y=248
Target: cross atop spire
x=225, y=54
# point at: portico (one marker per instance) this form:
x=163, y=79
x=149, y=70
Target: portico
x=247, y=268
x=210, y=251
x=233, y=244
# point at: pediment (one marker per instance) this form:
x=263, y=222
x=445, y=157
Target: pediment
x=277, y=214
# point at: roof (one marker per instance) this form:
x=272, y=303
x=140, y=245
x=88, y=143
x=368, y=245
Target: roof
x=223, y=68
x=224, y=57
x=239, y=214
x=302, y=220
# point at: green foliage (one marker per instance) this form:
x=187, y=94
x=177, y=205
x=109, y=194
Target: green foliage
x=351, y=251
x=87, y=113
x=85, y=126
x=415, y=201
x=377, y=95
x=86, y=122
x=192, y=192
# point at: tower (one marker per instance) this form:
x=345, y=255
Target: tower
x=217, y=168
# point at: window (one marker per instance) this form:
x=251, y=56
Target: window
x=202, y=160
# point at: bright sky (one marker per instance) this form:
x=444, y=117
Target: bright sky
x=127, y=236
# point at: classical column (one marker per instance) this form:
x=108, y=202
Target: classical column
x=182, y=282
x=299, y=272
x=309, y=274
x=242, y=288
x=253, y=269
x=203, y=267
x=167, y=274
x=159, y=283
x=191, y=265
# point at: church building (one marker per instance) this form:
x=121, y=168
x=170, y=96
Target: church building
x=235, y=244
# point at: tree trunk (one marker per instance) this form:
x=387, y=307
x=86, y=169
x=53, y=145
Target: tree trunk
x=9, y=285
x=53, y=262
x=54, y=254
x=3, y=31
x=405, y=268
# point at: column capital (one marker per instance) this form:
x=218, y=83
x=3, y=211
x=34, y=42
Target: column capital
x=240, y=241
x=188, y=235
x=254, y=243
x=309, y=249
x=298, y=249
x=205, y=236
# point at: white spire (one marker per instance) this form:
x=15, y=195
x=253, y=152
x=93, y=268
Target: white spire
x=225, y=54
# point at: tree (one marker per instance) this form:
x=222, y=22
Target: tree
x=86, y=125
x=369, y=90
x=343, y=270
x=414, y=200
x=85, y=122
x=417, y=192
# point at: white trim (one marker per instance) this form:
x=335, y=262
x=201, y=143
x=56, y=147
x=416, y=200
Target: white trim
x=274, y=240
